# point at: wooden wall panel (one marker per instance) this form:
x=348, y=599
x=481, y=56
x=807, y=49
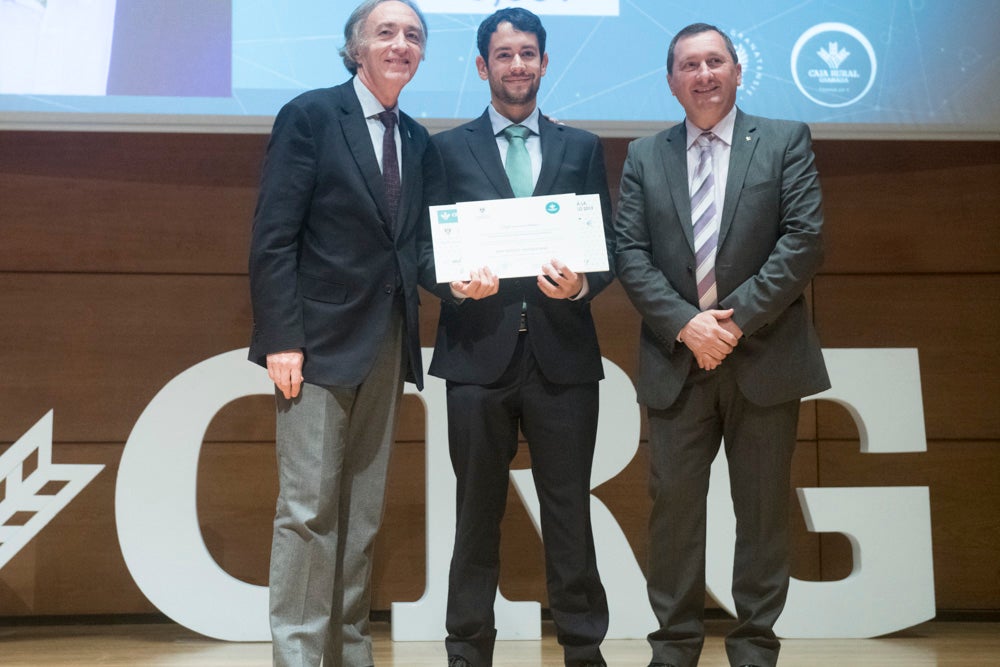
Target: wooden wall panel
x=909, y=207
x=101, y=225
x=948, y=318
x=237, y=490
x=899, y=206
x=96, y=348
x=141, y=203
x=123, y=260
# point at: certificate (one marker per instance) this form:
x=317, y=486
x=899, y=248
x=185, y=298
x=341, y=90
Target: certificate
x=515, y=237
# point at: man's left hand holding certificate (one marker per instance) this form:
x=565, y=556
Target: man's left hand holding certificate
x=518, y=237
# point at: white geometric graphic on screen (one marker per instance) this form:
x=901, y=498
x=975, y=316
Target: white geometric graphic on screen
x=749, y=58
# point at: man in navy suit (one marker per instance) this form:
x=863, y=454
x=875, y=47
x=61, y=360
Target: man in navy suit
x=333, y=275
x=718, y=234
x=520, y=353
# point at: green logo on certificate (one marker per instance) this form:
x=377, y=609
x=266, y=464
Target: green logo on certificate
x=448, y=215
x=552, y=207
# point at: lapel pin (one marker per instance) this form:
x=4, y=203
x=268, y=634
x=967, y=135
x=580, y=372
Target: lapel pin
x=748, y=138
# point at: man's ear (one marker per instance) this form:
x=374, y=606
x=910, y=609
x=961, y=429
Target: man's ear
x=484, y=70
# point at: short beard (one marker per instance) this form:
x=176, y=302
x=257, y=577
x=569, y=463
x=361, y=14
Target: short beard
x=504, y=96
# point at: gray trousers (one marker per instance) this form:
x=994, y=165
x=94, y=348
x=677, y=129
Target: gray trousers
x=333, y=446
x=683, y=442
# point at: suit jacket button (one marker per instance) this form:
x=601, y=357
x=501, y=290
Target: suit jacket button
x=388, y=288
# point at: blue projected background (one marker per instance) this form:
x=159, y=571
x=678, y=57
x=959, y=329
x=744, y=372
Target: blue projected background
x=922, y=65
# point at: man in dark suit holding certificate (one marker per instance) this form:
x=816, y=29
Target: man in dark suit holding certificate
x=333, y=274
x=520, y=353
x=718, y=234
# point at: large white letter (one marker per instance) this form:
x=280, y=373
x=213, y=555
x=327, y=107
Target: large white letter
x=890, y=588
x=617, y=441
x=156, y=511
x=423, y=620
x=892, y=584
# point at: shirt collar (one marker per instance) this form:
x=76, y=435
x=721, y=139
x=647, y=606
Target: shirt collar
x=723, y=129
x=370, y=106
x=499, y=122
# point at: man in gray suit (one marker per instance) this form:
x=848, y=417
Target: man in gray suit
x=718, y=234
x=333, y=275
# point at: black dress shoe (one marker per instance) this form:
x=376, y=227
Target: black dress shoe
x=660, y=664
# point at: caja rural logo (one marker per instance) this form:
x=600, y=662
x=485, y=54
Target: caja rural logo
x=834, y=64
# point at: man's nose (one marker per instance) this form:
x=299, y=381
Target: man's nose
x=517, y=63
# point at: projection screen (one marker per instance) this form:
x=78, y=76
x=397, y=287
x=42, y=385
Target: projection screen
x=917, y=69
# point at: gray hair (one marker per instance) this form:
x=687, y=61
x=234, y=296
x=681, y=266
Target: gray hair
x=354, y=39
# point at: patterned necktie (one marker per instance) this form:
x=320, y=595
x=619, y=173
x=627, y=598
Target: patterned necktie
x=518, y=164
x=390, y=163
x=706, y=223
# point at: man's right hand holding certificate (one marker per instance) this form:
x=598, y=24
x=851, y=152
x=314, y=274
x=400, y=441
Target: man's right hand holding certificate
x=481, y=284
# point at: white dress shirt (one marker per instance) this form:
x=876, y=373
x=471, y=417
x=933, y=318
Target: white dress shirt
x=721, y=148
x=371, y=108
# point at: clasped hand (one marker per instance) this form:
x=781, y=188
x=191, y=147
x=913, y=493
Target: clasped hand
x=711, y=335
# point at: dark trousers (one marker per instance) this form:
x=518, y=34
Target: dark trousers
x=560, y=425
x=684, y=440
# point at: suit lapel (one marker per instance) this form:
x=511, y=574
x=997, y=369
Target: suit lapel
x=358, y=138
x=553, y=152
x=483, y=147
x=411, y=167
x=674, y=156
x=745, y=139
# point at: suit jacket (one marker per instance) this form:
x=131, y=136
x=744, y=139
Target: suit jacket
x=476, y=338
x=327, y=265
x=770, y=246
